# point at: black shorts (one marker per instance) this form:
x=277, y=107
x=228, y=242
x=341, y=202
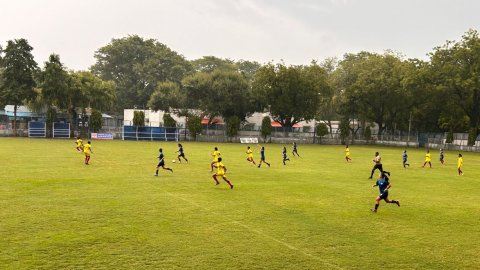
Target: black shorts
x=161, y=164
x=181, y=155
x=378, y=166
x=384, y=196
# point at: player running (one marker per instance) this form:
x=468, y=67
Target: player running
x=87, y=150
x=181, y=153
x=347, y=153
x=442, y=157
x=284, y=153
x=216, y=156
x=250, y=156
x=383, y=185
x=404, y=158
x=428, y=159
x=460, y=164
x=221, y=170
x=378, y=164
x=262, y=157
x=161, y=162
x=79, y=143
x=295, y=151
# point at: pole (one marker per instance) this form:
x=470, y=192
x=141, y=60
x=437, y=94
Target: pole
x=409, y=127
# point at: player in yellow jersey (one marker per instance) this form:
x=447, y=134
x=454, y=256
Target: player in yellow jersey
x=460, y=164
x=87, y=149
x=347, y=153
x=250, y=155
x=221, y=170
x=428, y=159
x=215, y=155
x=79, y=144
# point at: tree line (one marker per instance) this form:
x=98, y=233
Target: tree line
x=387, y=89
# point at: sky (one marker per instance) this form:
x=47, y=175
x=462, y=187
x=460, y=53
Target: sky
x=292, y=31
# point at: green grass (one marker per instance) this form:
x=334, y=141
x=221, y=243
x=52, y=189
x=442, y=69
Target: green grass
x=314, y=213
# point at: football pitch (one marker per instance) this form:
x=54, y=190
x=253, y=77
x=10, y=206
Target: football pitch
x=313, y=213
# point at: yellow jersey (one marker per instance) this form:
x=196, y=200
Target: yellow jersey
x=79, y=142
x=428, y=157
x=87, y=148
x=347, y=152
x=460, y=162
x=250, y=153
x=215, y=155
x=220, y=168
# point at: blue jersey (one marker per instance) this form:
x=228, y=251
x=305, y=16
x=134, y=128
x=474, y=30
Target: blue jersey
x=284, y=152
x=382, y=184
x=404, y=156
x=160, y=157
x=262, y=154
x=180, y=150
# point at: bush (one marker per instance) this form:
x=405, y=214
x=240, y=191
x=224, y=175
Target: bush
x=322, y=130
x=139, y=118
x=168, y=120
x=472, y=136
x=233, y=125
x=449, y=138
x=96, y=121
x=266, y=127
x=194, y=124
x=344, y=129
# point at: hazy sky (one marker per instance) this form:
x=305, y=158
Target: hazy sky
x=296, y=31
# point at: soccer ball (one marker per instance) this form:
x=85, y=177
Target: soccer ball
x=173, y=161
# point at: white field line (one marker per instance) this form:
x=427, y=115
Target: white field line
x=289, y=246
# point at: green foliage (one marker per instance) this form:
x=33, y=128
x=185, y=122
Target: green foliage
x=266, y=127
x=194, y=124
x=449, y=138
x=137, y=65
x=222, y=93
x=166, y=96
x=212, y=63
x=139, y=118
x=168, y=120
x=96, y=120
x=321, y=129
x=472, y=136
x=54, y=82
x=290, y=93
x=455, y=69
x=344, y=129
x=233, y=125
x=17, y=82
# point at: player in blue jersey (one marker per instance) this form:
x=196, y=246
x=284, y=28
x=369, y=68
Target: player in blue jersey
x=181, y=153
x=295, y=151
x=405, y=158
x=284, y=154
x=161, y=162
x=262, y=157
x=383, y=185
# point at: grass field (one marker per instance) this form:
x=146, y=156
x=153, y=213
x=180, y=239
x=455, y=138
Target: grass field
x=314, y=213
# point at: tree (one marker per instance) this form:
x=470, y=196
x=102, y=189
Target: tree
x=266, y=127
x=167, y=96
x=168, y=120
x=137, y=65
x=233, y=125
x=194, y=124
x=50, y=119
x=222, y=93
x=54, y=83
x=290, y=93
x=321, y=130
x=139, y=118
x=18, y=76
x=344, y=129
x=211, y=63
x=96, y=121
x=456, y=69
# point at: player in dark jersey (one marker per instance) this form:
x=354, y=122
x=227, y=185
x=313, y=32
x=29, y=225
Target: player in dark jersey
x=383, y=185
x=284, y=153
x=295, y=151
x=181, y=153
x=262, y=157
x=161, y=162
x=442, y=156
x=378, y=164
x=404, y=159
